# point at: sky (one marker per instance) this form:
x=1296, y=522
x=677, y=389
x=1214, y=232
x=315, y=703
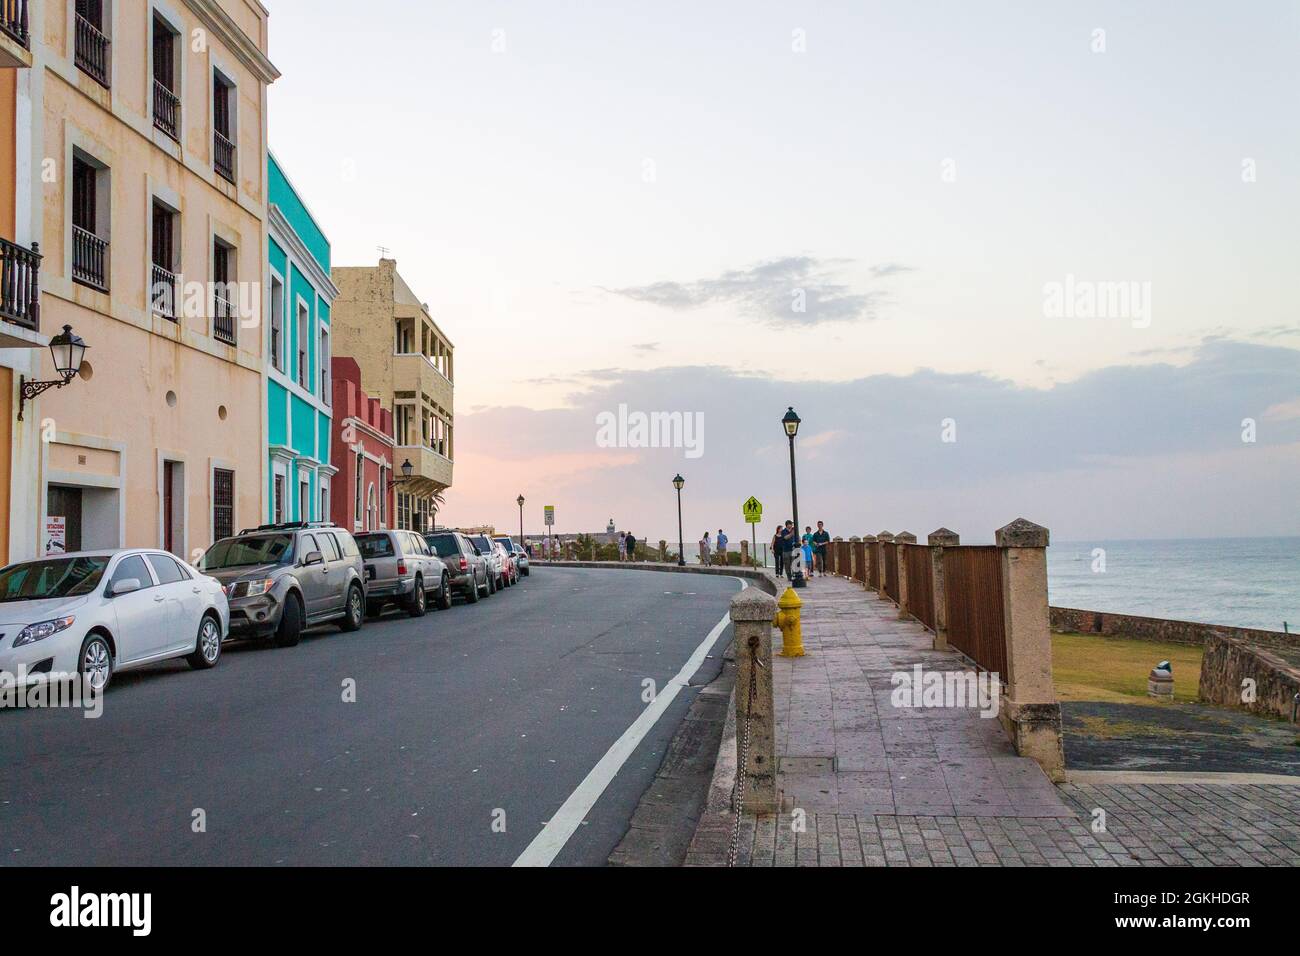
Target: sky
x=1005, y=258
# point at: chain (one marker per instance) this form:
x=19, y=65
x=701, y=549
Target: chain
x=742, y=765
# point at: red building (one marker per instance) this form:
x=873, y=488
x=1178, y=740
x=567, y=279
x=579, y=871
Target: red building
x=362, y=450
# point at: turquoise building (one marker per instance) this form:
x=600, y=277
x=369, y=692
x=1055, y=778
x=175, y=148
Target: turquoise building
x=299, y=296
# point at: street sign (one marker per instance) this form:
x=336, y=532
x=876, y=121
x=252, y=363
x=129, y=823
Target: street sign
x=753, y=509
x=550, y=516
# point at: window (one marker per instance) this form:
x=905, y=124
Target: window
x=162, y=287
x=130, y=568
x=323, y=360
x=92, y=45
x=223, y=127
x=89, y=245
x=330, y=547
x=324, y=502
x=277, y=507
x=304, y=333
x=167, y=570
x=356, y=504
x=223, y=310
x=277, y=324
x=166, y=104
x=304, y=499
x=223, y=504
x=383, y=497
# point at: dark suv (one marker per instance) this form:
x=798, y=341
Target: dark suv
x=467, y=565
x=282, y=578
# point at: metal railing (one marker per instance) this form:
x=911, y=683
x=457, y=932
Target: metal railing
x=162, y=292
x=972, y=579
x=920, y=584
x=20, y=284
x=92, y=51
x=890, y=550
x=89, y=259
x=13, y=21
x=223, y=156
x=166, y=110
x=223, y=319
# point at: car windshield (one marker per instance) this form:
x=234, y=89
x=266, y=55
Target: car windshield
x=55, y=578
x=444, y=545
x=482, y=543
x=248, y=551
x=375, y=545
x=507, y=544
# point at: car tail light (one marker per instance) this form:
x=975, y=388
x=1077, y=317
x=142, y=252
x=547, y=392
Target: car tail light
x=464, y=563
x=401, y=567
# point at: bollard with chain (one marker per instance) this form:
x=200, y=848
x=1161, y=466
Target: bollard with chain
x=752, y=614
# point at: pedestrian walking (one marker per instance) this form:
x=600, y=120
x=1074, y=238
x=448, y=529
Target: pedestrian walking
x=629, y=545
x=722, y=547
x=821, y=544
x=704, y=549
x=806, y=543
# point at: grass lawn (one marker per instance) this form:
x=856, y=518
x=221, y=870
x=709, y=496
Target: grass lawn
x=1115, y=669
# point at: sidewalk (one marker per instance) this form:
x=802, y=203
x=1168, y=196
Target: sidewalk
x=882, y=785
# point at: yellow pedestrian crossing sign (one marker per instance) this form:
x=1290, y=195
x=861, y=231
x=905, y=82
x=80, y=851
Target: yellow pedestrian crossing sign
x=753, y=509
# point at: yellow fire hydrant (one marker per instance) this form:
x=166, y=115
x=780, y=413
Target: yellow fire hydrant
x=787, y=619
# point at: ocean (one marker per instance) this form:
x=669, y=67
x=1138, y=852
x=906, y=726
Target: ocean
x=1240, y=582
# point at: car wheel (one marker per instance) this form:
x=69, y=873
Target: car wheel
x=207, y=648
x=354, y=610
x=491, y=584
x=290, y=630
x=419, y=600
x=444, y=595
x=472, y=595
x=96, y=662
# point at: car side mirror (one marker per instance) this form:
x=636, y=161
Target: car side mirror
x=313, y=557
x=127, y=586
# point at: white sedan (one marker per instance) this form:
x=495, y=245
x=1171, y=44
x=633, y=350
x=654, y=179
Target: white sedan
x=95, y=613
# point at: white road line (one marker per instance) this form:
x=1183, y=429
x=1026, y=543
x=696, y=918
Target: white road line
x=548, y=844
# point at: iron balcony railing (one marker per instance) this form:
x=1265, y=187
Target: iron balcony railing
x=89, y=259
x=13, y=21
x=92, y=51
x=223, y=319
x=223, y=157
x=166, y=110
x=20, y=284
x=162, y=292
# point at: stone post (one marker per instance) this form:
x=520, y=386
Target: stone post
x=663, y=551
x=744, y=554
x=904, y=540
x=882, y=540
x=835, y=558
x=752, y=614
x=853, y=557
x=593, y=550
x=943, y=538
x=1030, y=711
x=871, y=552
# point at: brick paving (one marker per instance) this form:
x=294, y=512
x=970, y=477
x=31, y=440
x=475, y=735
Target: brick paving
x=865, y=783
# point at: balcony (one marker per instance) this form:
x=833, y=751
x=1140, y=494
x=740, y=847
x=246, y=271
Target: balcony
x=413, y=372
x=431, y=472
x=15, y=34
x=166, y=110
x=223, y=157
x=20, y=286
x=89, y=259
x=223, y=319
x=92, y=53
x=162, y=292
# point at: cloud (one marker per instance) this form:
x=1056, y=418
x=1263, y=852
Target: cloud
x=794, y=291
x=1126, y=451
x=646, y=347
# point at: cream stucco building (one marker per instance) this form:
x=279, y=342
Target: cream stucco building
x=149, y=132
x=409, y=363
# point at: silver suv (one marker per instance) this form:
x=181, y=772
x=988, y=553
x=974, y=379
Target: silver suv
x=402, y=569
x=468, y=567
x=282, y=578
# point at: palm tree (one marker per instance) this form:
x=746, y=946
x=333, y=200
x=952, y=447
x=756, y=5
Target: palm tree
x=438, y=501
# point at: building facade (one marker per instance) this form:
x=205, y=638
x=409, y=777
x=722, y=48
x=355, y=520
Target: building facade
x=364, y=454
x=406, y=359
x=23, y=335
x=296, y=341
x=150, y=132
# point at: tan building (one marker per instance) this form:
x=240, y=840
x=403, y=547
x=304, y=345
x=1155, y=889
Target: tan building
x=408, y=362
x=150, y=132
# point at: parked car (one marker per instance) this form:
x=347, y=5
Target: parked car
x=402, y=569
x=468, y=567
x=519, y=554
x=498, y=560
x=97, y=613
x=282, y=578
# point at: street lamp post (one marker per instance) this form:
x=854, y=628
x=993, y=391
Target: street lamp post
x=791, y=423
x=68, y=351
x=678, y=482
x=520, y=500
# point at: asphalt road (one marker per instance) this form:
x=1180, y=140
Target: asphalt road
x=506, y=705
